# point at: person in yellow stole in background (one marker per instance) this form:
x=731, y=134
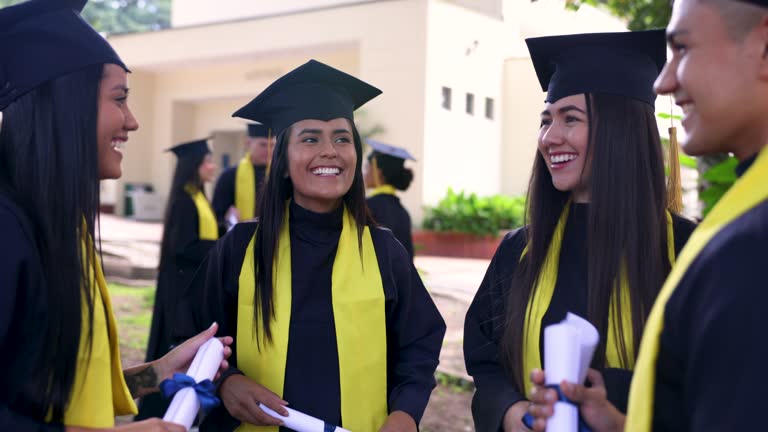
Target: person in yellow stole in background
x=701, y=365
x=329, y=313
x=189, y=232
x=63, y=96
x=234, y=198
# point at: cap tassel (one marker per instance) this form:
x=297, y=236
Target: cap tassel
x=674, y=182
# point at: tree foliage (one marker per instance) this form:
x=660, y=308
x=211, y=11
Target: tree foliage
x=639, y=14
x=123, y=16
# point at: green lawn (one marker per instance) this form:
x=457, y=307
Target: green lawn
x=133, y=309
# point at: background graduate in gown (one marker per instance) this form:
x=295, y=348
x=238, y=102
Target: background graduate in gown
x=385, y=173
x=189, y=231
x=237, y=188
x=63, y=95
x=702, y=359
x=599, y=238
x=329, y=312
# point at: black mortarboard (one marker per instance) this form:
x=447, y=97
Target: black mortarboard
x=43, y=40
x=256, y=130
x=624, y=63
x=761, y=3
x=191, y=149
x=389, y=150
x=313, y=91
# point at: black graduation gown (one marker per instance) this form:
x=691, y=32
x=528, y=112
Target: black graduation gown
x=23, y=311
x=389, y=212
x=414, y=326
x=187, y=252
x=224, y=193
x=484, y=324
x=711, y=368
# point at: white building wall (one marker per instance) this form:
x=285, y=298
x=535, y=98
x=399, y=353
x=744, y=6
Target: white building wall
x=196, y=12
x=521, y=124
x=465, y=52
x=211, y=71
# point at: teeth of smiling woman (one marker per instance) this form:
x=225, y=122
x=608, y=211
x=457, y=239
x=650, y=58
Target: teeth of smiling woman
x=687, y=108
x=118, y=145
x=563, y=158
x=325, y=171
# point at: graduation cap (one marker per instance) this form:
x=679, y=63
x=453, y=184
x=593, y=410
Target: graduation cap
x=256, y=130
x=379, y=149
x=43, y=40
x=761, y=3
x=313, y=91
x=623, y=63
x=191, y=149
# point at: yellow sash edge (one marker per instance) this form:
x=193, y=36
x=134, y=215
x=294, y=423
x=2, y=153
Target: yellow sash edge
x=245, y=192
x=208, y=229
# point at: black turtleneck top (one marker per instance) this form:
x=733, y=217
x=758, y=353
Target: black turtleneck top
x=495, y=391
x=415, y=328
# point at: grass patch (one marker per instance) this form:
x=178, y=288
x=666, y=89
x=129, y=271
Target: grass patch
x=146, y=294
x=458, y=385
x=133, y=310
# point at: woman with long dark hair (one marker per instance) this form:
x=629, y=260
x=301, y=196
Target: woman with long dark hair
x=384, y=172
x=65, y=119
x=190, y=230
x=599, y=239
x=329, y=312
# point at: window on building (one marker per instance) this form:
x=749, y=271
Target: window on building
x=489, y=108
x=446, y=98
x=470, y=104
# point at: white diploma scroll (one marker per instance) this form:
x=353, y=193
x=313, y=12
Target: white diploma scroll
x=568, y=350
x=185, y=406
x=300, y=422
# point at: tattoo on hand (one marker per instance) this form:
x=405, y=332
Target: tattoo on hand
x=141, y=382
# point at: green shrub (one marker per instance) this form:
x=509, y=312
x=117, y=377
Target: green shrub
x=468, y=213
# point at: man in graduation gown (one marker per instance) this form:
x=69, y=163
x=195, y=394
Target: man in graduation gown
x=238, y=186
x=702, y=358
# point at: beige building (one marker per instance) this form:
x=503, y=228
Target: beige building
x=459, y=90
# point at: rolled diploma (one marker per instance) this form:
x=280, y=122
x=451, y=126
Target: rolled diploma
x=299, y=422
x=184, y=406
x=588, y=339
x=232, y=221
x=568, y=348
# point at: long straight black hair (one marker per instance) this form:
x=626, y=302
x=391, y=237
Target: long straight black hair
x=271, y=214
x=187, y=173
x=627, y=225
x=49, y=168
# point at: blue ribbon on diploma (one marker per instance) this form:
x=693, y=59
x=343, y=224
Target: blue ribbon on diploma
x=528, y=418
x=205, y=390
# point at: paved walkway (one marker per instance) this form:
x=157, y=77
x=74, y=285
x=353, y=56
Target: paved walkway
x=131, y=251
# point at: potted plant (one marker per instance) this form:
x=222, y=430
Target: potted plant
x=465, y=225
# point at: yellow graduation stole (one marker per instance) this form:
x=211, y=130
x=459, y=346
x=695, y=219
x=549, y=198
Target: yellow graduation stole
x=750, y=190
x=100, y=391
x=206, y=220
x=245, y=189
x=382, y=190
x=539, y=302
x=358, y=312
